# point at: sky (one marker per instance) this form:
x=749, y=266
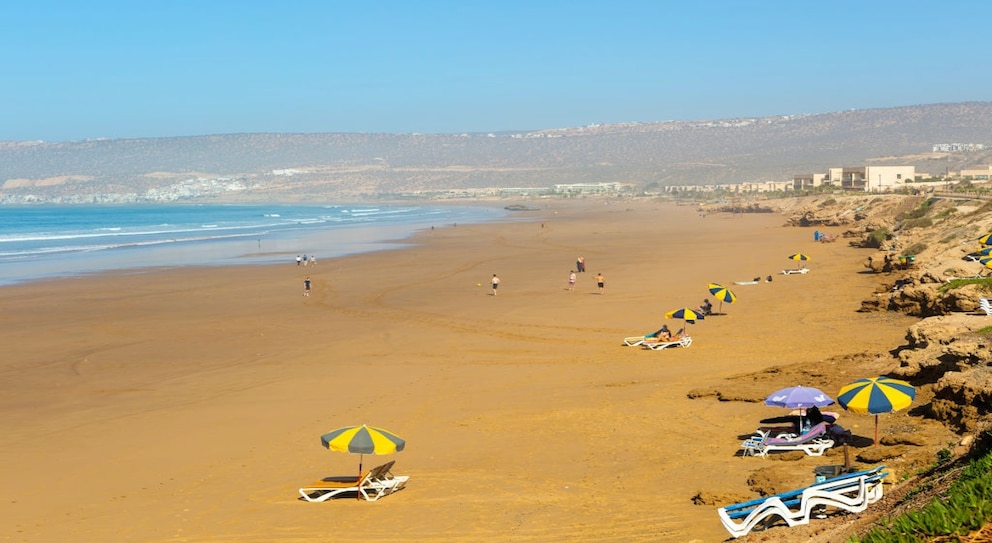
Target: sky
x=73, y=70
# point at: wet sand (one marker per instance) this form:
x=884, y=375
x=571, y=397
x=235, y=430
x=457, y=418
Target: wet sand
x=187, y=404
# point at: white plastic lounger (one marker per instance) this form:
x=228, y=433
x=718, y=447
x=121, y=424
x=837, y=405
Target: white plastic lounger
x=683, y=341
x=801, y=271
x=852, y=492
x=374, y=484
x=812, y=442
x=985, y=304
x=634, y=341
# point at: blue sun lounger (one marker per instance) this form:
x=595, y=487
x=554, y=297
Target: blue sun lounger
x=852, y=492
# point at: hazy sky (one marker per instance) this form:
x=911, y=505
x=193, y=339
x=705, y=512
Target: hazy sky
x=73, y=70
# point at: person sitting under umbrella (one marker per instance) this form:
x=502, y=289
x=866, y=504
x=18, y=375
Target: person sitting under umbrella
x=705, y=308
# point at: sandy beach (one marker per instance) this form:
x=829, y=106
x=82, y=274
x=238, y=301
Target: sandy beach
x=187, y=405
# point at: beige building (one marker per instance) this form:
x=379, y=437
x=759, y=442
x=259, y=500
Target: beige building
x=861, y=178
x=977, y=175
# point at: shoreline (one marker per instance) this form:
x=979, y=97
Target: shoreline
x=524, y=416
x=176, y=246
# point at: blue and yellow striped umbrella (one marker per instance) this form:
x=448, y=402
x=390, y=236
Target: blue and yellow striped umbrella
x=362, y=440
x=722, y=293
x=688, y=315
x=799, y=256
x=876, y=395
x=984, y=240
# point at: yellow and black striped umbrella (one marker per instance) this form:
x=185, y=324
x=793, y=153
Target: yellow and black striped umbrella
x=688, y=315
x=876, y=395
x=723, y=294
x=984, y=240
x=362, y=440
x=799, y=256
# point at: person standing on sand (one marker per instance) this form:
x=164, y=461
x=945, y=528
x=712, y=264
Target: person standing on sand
x=571, y=280
x=495, y=282
x=299, y=260
x=580, y=264
x=601, y=283
x=306, y=286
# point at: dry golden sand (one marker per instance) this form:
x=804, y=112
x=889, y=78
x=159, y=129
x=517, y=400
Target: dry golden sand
x=187, y=405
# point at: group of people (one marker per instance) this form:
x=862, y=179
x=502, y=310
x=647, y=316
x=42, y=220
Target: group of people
x=304, y=260
x=580, y=266
x=600, y=281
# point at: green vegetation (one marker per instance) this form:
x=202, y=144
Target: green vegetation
x=985, y=330
x=915, y=249
x=922, y=222
x=965, y=507
x=877, y=238
x=947, y=213
x=917, y=213
x=984, y=284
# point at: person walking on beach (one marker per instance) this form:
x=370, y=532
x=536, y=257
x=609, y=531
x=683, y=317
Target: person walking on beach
x=580, y=264
x=306, y=286
x=571, y=280
x=495, y=282
x=299, y=260
x=601, y=283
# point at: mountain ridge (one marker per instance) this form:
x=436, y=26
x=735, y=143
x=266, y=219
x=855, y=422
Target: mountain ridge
x=366, y=165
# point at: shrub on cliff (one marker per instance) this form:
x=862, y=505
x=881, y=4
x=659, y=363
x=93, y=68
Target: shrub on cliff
x=922, y=222
x=877, y=238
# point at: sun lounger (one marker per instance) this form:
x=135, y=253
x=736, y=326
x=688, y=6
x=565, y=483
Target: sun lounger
x=813, y=442
x=801, y=271
x=656, y=345
x=985, y=304
x=371, y=486
x=851, y=492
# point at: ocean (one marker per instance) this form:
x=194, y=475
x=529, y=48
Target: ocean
x=43, y=242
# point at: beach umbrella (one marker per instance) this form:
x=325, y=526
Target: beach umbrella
x=362, y=440
x=876, y=395
x=688, y=315
x=799, y=397
x=799, y=257
x=722, y=293
x=985, y=252
x=984, y=240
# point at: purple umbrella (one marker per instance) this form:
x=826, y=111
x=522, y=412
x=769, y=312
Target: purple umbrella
x=799, y=396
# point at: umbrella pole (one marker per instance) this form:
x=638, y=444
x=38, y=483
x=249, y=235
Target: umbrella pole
x=359, y=483
x=876, y=430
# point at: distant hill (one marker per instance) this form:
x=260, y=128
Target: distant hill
x=334, y=166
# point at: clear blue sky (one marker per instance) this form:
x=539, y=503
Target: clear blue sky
x=156, y=68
